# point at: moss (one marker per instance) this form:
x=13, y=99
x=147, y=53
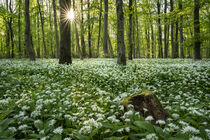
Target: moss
x=126, y=101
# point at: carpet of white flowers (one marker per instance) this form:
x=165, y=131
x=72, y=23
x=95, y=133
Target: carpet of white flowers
x=45, y=100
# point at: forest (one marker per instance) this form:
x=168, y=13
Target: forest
x=105, y=69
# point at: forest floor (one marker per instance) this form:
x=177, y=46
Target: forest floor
x=46, y=100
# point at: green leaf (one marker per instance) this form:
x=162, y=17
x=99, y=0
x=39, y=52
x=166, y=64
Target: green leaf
x=144, y=125
x=5, y=123
x=117, y=138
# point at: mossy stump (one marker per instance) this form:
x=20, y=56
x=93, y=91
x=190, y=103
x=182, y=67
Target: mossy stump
x=147, y=104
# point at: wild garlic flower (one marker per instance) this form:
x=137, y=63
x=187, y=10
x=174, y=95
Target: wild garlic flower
x=190, y=129
x=58, y=130
x=151, y=136
x=149, y=118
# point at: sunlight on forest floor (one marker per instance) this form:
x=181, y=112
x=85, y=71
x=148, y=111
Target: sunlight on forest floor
x=46, y=100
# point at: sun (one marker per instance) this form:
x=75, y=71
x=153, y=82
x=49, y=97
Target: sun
x=70, y=14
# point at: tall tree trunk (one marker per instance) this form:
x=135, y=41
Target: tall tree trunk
x=130, y=30
x=51, y=28
x=137, y=36
x=160, y=51
x=110, y=47
x=82, y=32
x=28, y=42
x=165, y=30
x=120, y=33
x=7, y=33
x=56, y=29
x=65, y=31
x=43, y=32
x=152, y=36
x=19, y=29
x=181, y=31
x=89, y=32
x=172, y=30
x=11, y=29
x=77, y=35
x=197, y=43
x=176, y=49
x=148, y=42
x=38, y=36
x=105, y=35
x=99, y=32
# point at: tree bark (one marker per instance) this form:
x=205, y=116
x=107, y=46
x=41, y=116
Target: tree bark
x=197, y=42
x=11, y=29
x=82, y=32
x=51, y=28
x=160, y=51
x=38, y=36
x=181, y=31
x=89, y=32
x=43, y=32
x=105, y=35
x=148, y=41
x=19, y=29
x=99, y=32
x=152, y=36
x=165, y=30
x=28, y=42
x=110, y=47
x=65, y=31
x=56, y=28
x=120, y=33
x=130, y=30
x=176, y=49
x=77, y=35
x=172, y=30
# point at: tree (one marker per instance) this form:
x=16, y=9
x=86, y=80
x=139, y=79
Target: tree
x=89, y=30
x=99, y=32
x=82, y=32
x=43, y=32
x=105, y=35
x=130, y=30
x=28, y=40
x=160, y=50
x=19, y=29
x=120, y=33
x=65, y=42
x=197, y=42
x=172, y=29
x=56, y=28
x=165, y=30
x=137, y=32
x=181, y=31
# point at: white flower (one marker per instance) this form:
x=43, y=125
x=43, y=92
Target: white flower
x=58, y=130
x=127, y=129
x=120, y=130
x=127, y=120
x=67, y=138
x=13, y=129
x=85, y=130
x=52, y=122
x=175, y=116
x=190, y=129
x=25, y=107
x=160, y=122
x=92, y=122
x=195, y=138
x=4, y=101
x=151, y=137
x=149, y=118
x=22, y=127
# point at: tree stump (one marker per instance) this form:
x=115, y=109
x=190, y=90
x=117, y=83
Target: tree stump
x=148, y=105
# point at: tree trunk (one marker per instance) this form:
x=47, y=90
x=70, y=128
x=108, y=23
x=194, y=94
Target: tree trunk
x=172, y=30
x=181, y=31
x=165, y=31
x=19, y=29
x=176, y=49
x=120, y=33
x=197, y=42
x=65, y=31
x=50, y=32
x=110, y=47
x=130, y=30
x=43, y=32
x=105, y=35
x=152, y=36
x=137, y=36
x=148, y=41
x=38, y=36
x=77, y=35
x=99, y=32
x=28, y=42
x=11, y=29
x=89, y=33
x=56, y=28
x=160, y=51
x=82, y=32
